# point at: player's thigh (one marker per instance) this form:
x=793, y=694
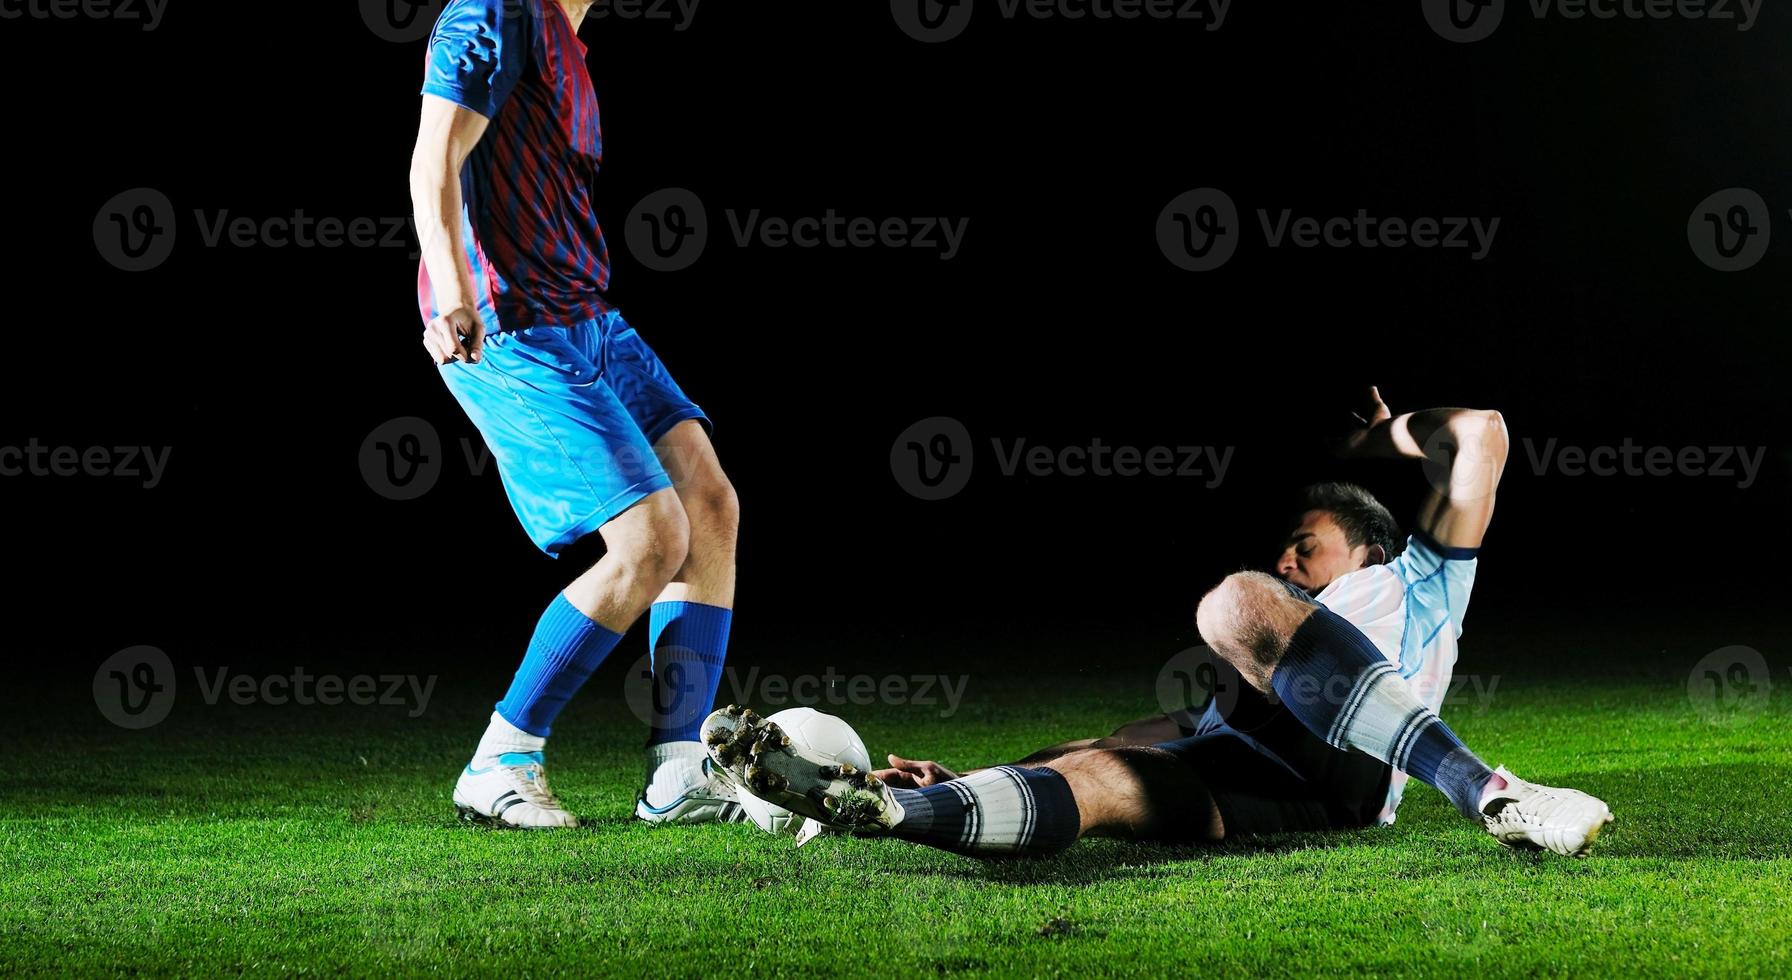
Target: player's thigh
x=1139, y=792
x=690, y=459
x=643, y=383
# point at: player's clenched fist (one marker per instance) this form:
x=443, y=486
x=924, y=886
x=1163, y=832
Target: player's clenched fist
x=457, y=335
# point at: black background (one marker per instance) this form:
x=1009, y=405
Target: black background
x=1591, y=320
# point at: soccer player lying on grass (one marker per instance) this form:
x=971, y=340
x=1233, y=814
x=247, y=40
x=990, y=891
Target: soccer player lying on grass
x=1355, y=645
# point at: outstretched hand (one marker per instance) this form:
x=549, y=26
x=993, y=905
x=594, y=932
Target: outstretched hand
x=909, y=774
x=1373, y=414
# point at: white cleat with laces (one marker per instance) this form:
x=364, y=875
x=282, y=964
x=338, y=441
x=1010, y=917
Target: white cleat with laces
x=510, y=792
x=1544, y=818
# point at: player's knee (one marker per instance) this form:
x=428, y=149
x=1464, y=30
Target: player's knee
x=1242, y=616
x=714, y=509
x=658, y=538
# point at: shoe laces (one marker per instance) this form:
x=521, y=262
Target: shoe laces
x=531, y=782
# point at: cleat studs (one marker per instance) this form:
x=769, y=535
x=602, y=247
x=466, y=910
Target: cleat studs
x=735, y=710
x=762, y=780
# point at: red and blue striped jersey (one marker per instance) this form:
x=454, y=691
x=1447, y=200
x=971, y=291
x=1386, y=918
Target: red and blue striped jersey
x=533, y=245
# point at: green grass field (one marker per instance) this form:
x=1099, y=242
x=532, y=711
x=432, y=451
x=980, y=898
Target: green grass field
x=320, y=840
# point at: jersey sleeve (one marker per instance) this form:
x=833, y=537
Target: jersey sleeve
x=477, y=53
x=1438, y=581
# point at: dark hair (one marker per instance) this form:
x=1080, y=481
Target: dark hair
x=1362, y=518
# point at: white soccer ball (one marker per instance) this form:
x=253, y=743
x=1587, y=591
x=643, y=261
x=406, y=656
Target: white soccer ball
x=823, y=737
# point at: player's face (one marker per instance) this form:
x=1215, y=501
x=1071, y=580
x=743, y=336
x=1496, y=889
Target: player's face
x=1317, y=552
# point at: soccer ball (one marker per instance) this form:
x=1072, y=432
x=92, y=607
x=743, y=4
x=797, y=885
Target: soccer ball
x=822, y=736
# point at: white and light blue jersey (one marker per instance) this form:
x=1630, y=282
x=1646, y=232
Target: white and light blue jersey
x=1411, y=608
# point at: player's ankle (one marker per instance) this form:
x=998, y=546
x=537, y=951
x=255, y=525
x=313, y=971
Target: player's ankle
x=1495, y=784
x=502, y=738
x=671, y=769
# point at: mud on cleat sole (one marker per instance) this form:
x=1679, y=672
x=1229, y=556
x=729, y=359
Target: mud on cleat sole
x=763, y=757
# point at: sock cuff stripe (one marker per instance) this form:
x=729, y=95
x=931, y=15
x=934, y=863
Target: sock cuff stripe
x=1416, y=722
x=1027, y=811
x=1360, y=693
x=968, y=801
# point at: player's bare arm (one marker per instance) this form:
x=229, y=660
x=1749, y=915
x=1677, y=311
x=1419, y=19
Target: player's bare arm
x=446, y=136
x=1466, y=449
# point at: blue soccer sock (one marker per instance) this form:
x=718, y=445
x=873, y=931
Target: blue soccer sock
x=1340, y=687
x=566, y=648
x=1004, y=810
x=689, y=642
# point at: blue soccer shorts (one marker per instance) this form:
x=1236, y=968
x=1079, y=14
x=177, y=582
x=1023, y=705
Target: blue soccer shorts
x=571, y=415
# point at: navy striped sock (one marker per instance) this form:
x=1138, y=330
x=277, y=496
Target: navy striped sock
x=1334, y=680
x=1004, y=810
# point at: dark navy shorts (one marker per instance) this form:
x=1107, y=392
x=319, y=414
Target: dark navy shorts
x=1268, y=774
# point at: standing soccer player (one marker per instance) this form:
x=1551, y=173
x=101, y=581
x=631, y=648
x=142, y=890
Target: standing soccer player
x=589, y=430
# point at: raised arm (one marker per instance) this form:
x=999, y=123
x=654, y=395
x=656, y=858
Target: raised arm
x=1464, y=453
x=447, y=134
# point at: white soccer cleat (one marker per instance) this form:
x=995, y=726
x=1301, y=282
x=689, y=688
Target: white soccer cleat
x=510, y=793
x=785, y=773
x=712, y=798
x=1544, y=818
